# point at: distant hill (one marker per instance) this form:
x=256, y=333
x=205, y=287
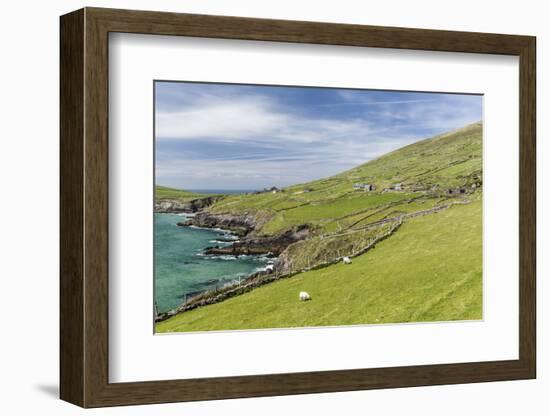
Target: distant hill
x=164, y=193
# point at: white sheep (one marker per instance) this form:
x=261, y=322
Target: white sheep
x=304, y=296
x=346, y=260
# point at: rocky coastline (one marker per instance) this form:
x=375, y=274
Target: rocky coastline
x=240, y=225
x=244, y=226
x=272, y=245
x=174, y=206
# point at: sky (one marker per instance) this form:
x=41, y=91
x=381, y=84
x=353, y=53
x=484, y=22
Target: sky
x=211, y=136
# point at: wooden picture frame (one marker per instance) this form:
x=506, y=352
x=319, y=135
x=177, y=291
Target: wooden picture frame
x=84, y=207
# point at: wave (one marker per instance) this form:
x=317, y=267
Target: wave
x=222, y=231
x=261, y=258
x=225, y=257
x=219, y=230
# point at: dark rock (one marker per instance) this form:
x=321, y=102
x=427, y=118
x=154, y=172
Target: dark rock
x=184, y=223
x=272, y=245
x=168, y=206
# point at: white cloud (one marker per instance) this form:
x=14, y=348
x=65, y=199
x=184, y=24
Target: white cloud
x=236, y=120
x=281, y=146
x=241, y=119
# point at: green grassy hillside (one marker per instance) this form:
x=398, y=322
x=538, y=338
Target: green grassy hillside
x=425, y=169
x=430, y=270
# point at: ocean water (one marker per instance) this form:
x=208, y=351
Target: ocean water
x=181, y=268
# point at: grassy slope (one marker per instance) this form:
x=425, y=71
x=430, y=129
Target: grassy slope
x=163, y=193
x=449, y=160
x=429, y=270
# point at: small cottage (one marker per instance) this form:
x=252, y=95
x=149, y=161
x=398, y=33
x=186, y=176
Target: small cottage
x=366, y=187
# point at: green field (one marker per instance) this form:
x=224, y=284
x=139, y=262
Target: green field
x=429, y=269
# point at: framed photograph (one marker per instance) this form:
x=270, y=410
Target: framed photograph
x=255, y=207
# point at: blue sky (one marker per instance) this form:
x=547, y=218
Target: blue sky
x=245, y=137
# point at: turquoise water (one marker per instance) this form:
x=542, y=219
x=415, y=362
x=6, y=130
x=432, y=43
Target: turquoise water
x=180, y=267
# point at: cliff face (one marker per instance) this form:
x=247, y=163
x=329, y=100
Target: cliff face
x=167, y=206
x=272, y=245
x=245, y=226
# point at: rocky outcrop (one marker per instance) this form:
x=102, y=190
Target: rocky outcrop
x=240, y=224
x=172, y=206
x=245, y=226
x=272, y=245
x=168, y=206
